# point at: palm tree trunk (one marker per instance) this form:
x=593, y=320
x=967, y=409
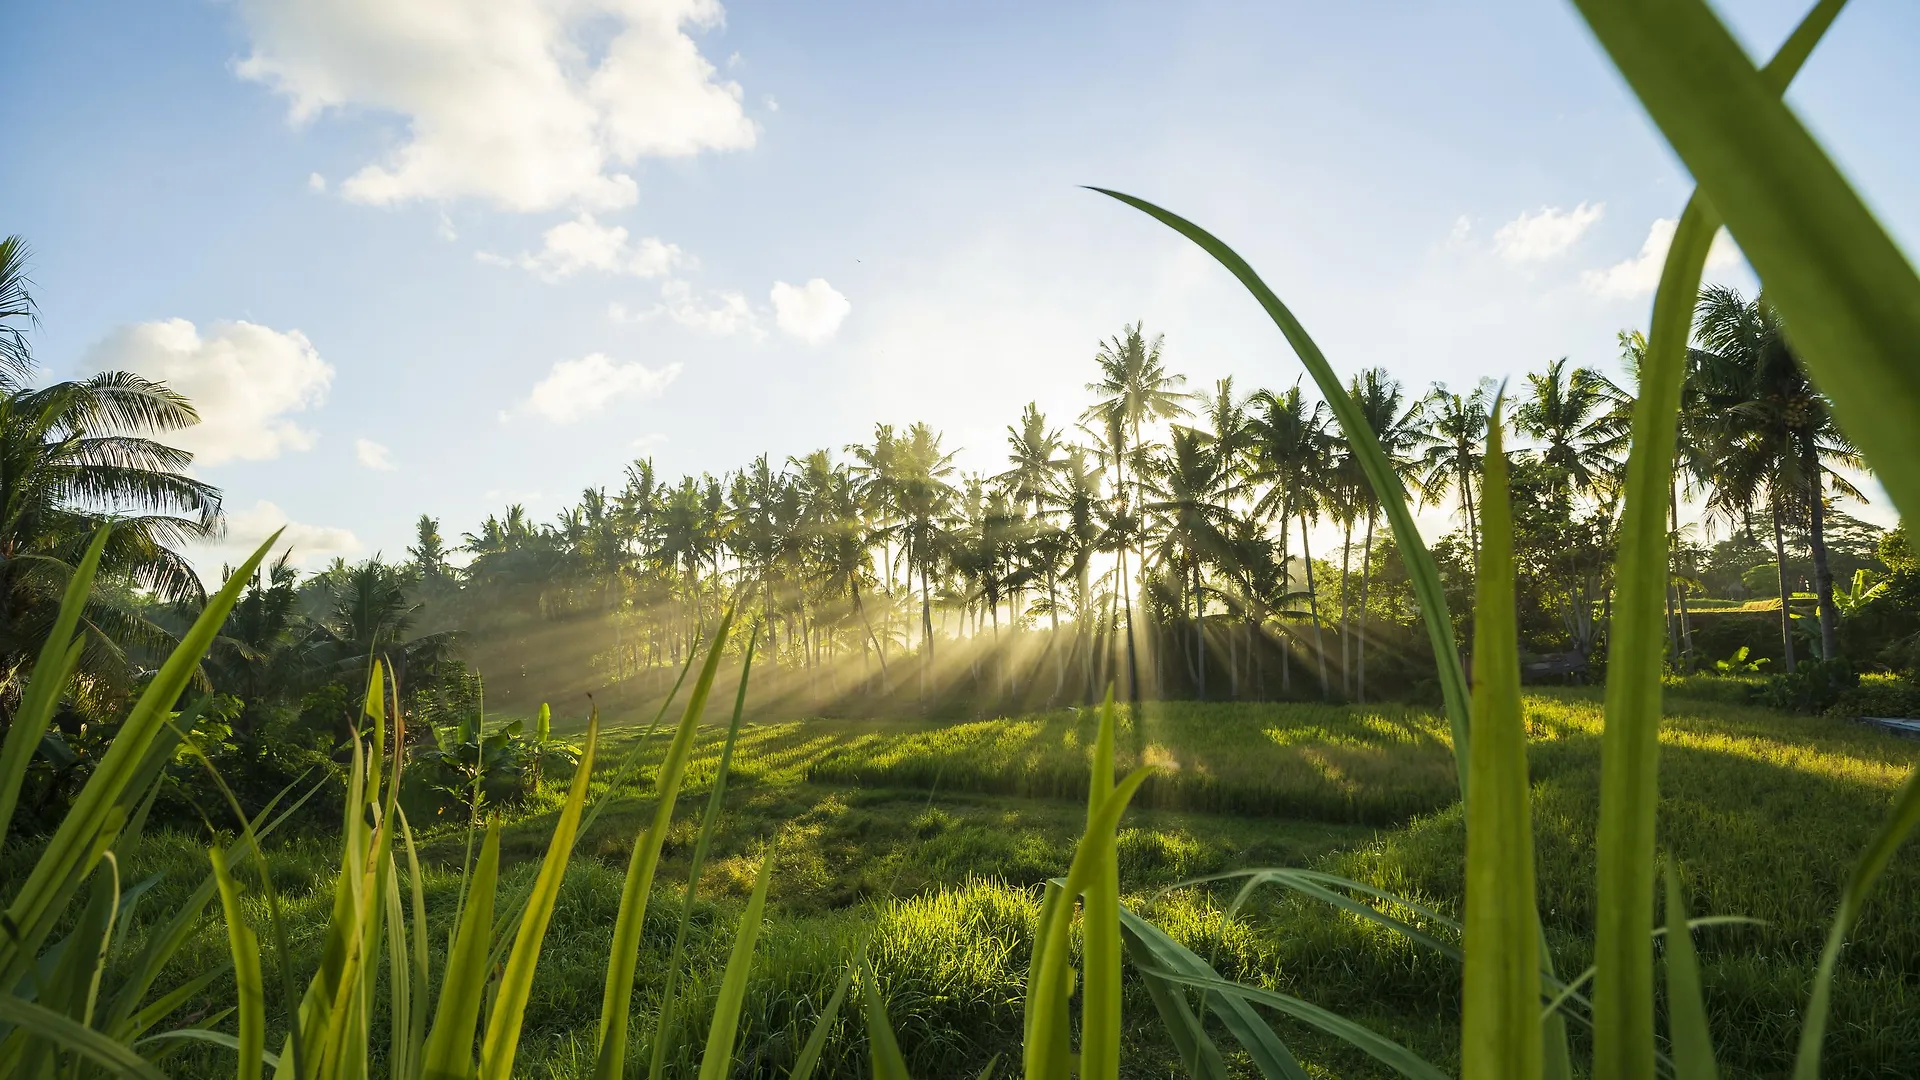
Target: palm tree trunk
x=1822, y=570
x=1200, y=628
x=1133, y=662
x=1786, y=595
x=1473, y=516
x=1673, y=535
x=1346, y=644
x=1360, y=639
x=1286, y=580
x=1313, y=605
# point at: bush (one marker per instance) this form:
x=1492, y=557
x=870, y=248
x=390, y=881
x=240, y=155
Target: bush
x=1814, y=686
x=1879, y=695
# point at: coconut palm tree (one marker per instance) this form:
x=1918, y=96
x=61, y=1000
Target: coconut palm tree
x=1572, y=414
x=1189, y=488
x=1293, y=450
x=1772, y=435
x=1135, y=389
x=16, y=314
x=1399, y=432
x=1451, y=447
x=924, y=500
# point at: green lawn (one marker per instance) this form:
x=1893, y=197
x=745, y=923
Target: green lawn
x=934, y=837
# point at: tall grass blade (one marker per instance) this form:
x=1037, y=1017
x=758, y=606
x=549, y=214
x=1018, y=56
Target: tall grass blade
x=882, y=1047
x=55, y=665
x=1153, y=951
x=93, y=821
x=1100, y=925
x=617, y=998
x=663, y=1026
x=104, y=1051
x=456, y=1016
x=1500, y=1032
x=816, y=1043
x=1687, y=1030
x=1630, y=741
x=717, y=1061
x=516, y=985
x=1422, y=571
x=1849, y=298
x=417, y=969
x=248, y=984
x=1873, y=861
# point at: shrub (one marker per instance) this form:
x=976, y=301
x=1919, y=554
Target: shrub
x=1814, y=686
x=1878, y=695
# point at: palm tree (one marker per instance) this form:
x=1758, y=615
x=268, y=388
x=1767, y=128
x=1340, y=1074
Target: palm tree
x=1452, y=444
x=1082, y=531
x=1136, y=389
x=924, y=499
x=1571, y=413
x=1190, y=486
x=1034, y=452
x=1293, y=449
x=1772, y=432
x=1399, y=433
x=16, y=314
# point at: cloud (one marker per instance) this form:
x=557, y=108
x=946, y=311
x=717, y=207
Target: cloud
x=1545, y=233
x=575, y=388
x=585, y=244
x=242, y=377
x=316, y=182
x=812, y=312
x=1639, y=275
x=526, y=104
x=373, y=455
x=721, y=314
x=247, y=529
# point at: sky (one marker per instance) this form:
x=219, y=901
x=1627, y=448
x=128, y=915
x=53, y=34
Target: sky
x=439, y=257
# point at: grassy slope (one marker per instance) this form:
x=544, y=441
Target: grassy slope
x=935, y=835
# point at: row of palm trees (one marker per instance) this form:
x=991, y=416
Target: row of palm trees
x=1156, y=525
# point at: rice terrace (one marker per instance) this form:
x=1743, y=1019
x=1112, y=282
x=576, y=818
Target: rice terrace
x=1296, y=607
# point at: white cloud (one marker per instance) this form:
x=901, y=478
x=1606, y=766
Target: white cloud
x=446, y=231
x=1639, y=275
x=721, y=314
x=527, y=104
x=1462, y=230
x=247, y=529
x=812, y=312
x=242, y=377
x=1545, y=233
x=575, y=388
x=585, y=244
x=373, y=455
x=316, y=182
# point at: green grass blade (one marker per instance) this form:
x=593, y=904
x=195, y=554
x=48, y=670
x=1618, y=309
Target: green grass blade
x=1848, y=296
x=882, y=1047
x=1100, y=926
x=816, y=1044
x=97, y=813
x=717, y=1062
x=416, y=890
x=160, y=1008
x=1687, y=1030
x=456, y=1016
x=516, y=984
x=1873, y=861
x=1372, y=1043
x=986, y=1071
x=55, y=665
x=1630, y=741
x=108, y=1053
x=204, y=1035
x=617, y=998
x=1152, y=951
x=663, y=1025
x=1500, y=1032
x=1424, y=575
x=249, y=987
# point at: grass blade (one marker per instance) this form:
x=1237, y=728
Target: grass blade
x=1629, y=784
x=1100, y=950
x=1905, y=815
x=663, y=1026
x=1687, y=1030
x=248, y=984
x=1500, y=1032
x=510, y=1002
x=1153, y=951
x=882, y=1047
x=1848, y=296
x=1424, y=575
x=617, y=998
x=717, y=1062
x=816, y=1044
x=108, y=1053
x=449, y=1048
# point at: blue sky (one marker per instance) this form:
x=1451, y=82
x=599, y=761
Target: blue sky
x=335, y=222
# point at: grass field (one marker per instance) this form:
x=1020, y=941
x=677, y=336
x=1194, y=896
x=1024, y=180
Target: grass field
x=935, y=837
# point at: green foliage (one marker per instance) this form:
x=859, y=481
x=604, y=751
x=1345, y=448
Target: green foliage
x=1814, y=686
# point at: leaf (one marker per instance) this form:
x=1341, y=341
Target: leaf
x=449, y=1048
x=1687, y=1030
x=1500, y=1032
x=1848, y=297
x=882, y=1047
x=1425, y=576
x=816, y=1044
x=1100, y=951
x=215, y=1038
x=248, y=985
x=1154, y=951
x=717, y=1062
x=1630, y=740
x=1879, y=851
x=72, y=1034
x=617, y=998
x=516, y=985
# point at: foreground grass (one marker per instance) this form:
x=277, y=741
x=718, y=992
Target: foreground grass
x=934, y=838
